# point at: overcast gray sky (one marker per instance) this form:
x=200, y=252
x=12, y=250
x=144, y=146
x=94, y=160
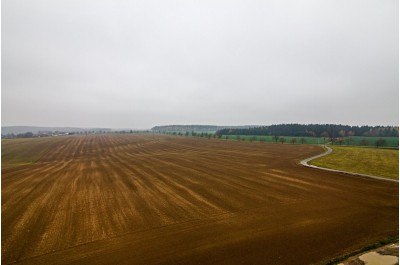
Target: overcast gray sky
x=143, y=63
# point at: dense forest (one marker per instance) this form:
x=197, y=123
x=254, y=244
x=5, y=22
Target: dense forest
x=315, y=130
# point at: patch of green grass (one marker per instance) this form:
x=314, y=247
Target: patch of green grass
x=371, y=161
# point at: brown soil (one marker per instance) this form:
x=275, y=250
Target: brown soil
x=134, y=199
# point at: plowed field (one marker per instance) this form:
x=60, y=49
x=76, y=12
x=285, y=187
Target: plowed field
x=150, y=199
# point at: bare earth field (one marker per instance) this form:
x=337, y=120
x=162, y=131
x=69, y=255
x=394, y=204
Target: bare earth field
x=151, y=199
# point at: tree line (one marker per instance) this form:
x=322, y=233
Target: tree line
x=195, y=128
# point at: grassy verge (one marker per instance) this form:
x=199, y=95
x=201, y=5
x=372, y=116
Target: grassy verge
x=371, y=161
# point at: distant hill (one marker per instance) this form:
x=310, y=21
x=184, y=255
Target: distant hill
x=36, y=129
x=195, y=128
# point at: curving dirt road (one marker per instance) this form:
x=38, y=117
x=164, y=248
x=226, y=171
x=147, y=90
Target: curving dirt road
x=150, y=199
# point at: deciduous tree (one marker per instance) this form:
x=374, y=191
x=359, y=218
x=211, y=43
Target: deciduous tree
x=380, y=142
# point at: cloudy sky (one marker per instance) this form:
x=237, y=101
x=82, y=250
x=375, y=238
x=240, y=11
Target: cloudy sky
x=136, y=64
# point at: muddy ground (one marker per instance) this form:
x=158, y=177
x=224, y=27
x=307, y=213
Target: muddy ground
x=150, y=199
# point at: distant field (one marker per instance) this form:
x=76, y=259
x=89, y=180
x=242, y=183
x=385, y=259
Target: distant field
x=25, y=151
x=392, y=142
x=365, y=160
x=159, y=199
x=371, y=141
x=270, y=139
